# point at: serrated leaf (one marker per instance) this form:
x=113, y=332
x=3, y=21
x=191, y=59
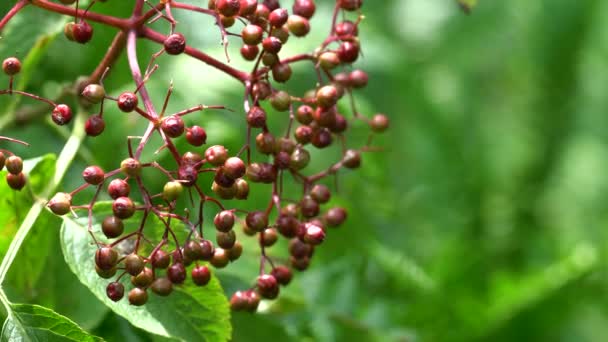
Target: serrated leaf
x=37, y=323
x=190, y=313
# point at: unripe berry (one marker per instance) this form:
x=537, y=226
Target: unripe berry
x=298, y=25
x=11, y=66
x=196, y=136
x=134, y=264
x=228, y=8
x=105, y=258
x=358, y=78
x=93, y=175
x=250, y=52
x=265, y=143
x=281, y=72
x=268, y=287
x=175, y=44
x=272, y=45
x=224, y=220
x=162, y=286
x=350, y=5
x=309, y=207
x=127, y=102
x=123, y=207
x=220, y=258
x=14, y=165
x=268, y=237
x=118, y=188
x=94, y=125
x=351, y=159
x=138, y=297
x=304, y=8
x=379, y=123
x=201, y=275
x=261, y=173
x=144, y=278
x=216, y=155
x=112, y=227
x=224, y=192
x=176, y=273
x=161, y=259
x=235, y=252
x=303, y=134
x=327, y=96
x=193, y=250
x=61, y=203
x=282, y=274
x=105, y=274
x=299, y=159
x=226, y=240
x=173, y=126
x=304, y=114
x=234, y=168
x=172, y=190
x=2, y=160
x=329, y=60
x=242, y=189
x=115, y=291
x=252, y=34
x=280, y=101
x=247, y=7
x=278, y=17
x=131, y=167
x=320, y=193
x=94, y=93
x=256, y=117
x=68, y=30
x=82, y=32
x=282, y=33
x=346, y=28
x=257, y=220
x=192, y=159
x=16, y=182
x=61, y=115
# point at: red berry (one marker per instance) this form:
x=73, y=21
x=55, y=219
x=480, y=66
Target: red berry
x=298, y=25
x=11, y=66
x=196, y=136
x=127, y=102
x=94, y=125
x=304, y=8
x=175, y=44
x=272, y=45
x=173, y=126
x=249, y=52
x=268, y=287
x=350, y=5
x=201, y=275
x=228, y=8
x=62, y=114
x=123, y=207
x=348, y=52
x=82, y=32
x=93, y=175
x=278, y=17
x=118, y=188
x=115, y=291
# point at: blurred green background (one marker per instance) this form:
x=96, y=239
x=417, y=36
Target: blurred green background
x=484, y=218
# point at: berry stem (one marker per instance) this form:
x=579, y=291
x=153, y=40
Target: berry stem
x=122, y=24
x=11, y=13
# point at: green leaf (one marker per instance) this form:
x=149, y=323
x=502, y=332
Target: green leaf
x=190, y=313
x=37, y=323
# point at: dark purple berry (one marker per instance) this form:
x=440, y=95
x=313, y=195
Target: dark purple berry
x=115, y=291
x=175, y=44
x=201, y=275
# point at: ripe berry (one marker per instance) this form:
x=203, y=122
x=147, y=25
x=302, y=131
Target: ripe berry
x=134, y=264
x=287, y=225
x=346, y=28
x=162, y=286
x=322, y=138
x=350, y=5
x=252, y=34
x=2, y=160
x=358, y=78
x=265, y=143
x=14, y=165
x=234, y=168
x=278, y=17
x=282, y=274
x=176, y=273
x=351, y=159
x=298, y=25
x=161, y=259
x=82, y=32
x=335, y=216
x=256, y=117
x=268, y=237
x=105, y=258
x=239, y=301
x=187, y=174
x=242, y=189
x=379, y=123
x=300, y=264
x=127, y=102
x=299, y=249
x=62, y=114
x=193, y=250
x=173, y=126
x=172, y=190
x=257, y=220
x=253, y=300
x=222, y=179
x=224, y=192
x=118, y=188
x=196, y=136
x=228, y=8
x=138, y=297
x=250, y=52
x=320, y=193
x=207, y=250
x=339, y=125
x=216, y=155
x=11, y=66
x=175, y=44
x=61, y=203
x=235, y=252
x=268, y=287
x=304, y=8
x=309, y=207
x=272, y=44
x=261, y=90
x=105, y=274
x=94, y=125
x=220, y=258
x=247, y=7
x=348, y=52
x=313, y=234
x=112, y=227
x=123, y=207
x=281, y=160
x=303, y=134
x=224, y=220
x=304, y=114
x=93, y=175
x=15, y=182
x=131, y=167
x=144, y=278
x=94, y=93
x=281, y=72
x=201, y=275
x=115, y=291
x=272, y=4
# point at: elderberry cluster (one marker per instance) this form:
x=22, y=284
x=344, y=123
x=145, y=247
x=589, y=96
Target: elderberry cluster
x=316, y=120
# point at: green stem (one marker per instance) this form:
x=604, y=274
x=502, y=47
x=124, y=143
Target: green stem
x=63, y=162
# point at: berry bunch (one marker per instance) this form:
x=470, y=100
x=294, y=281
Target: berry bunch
x=318, y=119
